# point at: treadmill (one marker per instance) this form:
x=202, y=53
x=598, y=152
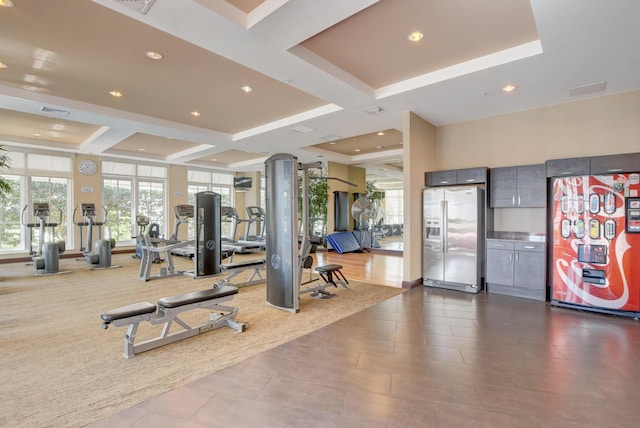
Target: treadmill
x=230, y=215
x=183, y=213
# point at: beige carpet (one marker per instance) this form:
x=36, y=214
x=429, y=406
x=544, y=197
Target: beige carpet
x=60, y=368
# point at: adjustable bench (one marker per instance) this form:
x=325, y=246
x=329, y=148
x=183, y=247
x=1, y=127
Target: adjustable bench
x=327, y=273
x=233, y=269
x=167, y=310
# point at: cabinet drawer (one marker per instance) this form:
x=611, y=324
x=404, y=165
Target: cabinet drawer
x=530, y=246
x=565, y=167
x=496, y=244
x=472, y=175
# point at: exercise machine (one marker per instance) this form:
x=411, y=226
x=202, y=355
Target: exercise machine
x=101, y=256
x=166, y=311
x=285, y=258
x=183, y=214
x=46, y=259
x=142, y=221
x=210, y=251
x=230, y=215
x=256, y=216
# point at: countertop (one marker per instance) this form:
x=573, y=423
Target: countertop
x=518, y=236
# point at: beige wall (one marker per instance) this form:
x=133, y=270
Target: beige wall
x=599, y=126
x=86, y=189
x=419, y=153
x=177, y=195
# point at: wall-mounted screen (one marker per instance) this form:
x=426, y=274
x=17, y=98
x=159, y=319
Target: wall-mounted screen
x=242, y=183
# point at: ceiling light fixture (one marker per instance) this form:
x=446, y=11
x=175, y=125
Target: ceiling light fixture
x=416, y=36
x=154, y=55
x=333, y=143
x=356, y=150
x=247, y=89
x=3, y=65
x=116, y=94
x=509, y=88
x=195, y=113
x=214, y=159
x=141, y=149
x=7, y=3
x=380, y=133
x=378, y=147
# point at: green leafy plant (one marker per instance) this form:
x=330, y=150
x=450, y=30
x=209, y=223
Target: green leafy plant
x=5, y=161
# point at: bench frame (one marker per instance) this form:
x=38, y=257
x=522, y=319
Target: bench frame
x=319, y=291
x=224, y=316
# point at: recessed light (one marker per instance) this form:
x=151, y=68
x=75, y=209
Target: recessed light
x=509, y=88
x=246, y=89
x=214, y=159
x=116, y=94
x=378, y=147
x=3, y=65
x=333, y=143
x=141, y=149
x=416, y=36
x=356, y=150
x=380, y=133
x=37, y=134
x=195, y=113
x=7, y=3
x=154, y=55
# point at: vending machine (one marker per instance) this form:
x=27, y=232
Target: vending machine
x=596, y=243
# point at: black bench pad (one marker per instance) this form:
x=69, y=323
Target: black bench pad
x=328, y=268
x=242, y=264
x=197, y=296
x=128, y=311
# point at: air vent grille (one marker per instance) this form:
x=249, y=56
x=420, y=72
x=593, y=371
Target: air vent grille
x=50, y=111
x=141, y=6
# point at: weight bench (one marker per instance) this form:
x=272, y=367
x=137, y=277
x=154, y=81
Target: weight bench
x=167, y=311
x=238, y=267
x=151, y=253
x=327, y=273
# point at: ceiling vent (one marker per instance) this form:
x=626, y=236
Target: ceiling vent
x=330, y=137
x=50, y=111
x=302, y=129
x=373, y=110
x=587, y=89
x=141, y=6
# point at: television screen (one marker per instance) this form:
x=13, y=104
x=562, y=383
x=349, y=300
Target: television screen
x=242, y=183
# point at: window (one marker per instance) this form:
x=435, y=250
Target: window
x=203, y=181
x=129, y=190
x=36, y=177
x=393, y=200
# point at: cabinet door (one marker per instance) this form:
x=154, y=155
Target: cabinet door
x=615, y=164
x=531, y=186
x=566, y=167
x=502, y=187
x=530, y=270
x=499, y=266
x=472, y=175
x=441, y=178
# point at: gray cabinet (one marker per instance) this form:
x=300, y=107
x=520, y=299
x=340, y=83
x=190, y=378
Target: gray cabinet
x=441, y=178
x=456, y=176
x=565, y=167
x=518, y=187
x=615, y=164
x=516, y=268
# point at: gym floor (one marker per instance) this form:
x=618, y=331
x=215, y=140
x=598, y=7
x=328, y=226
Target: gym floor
x=426, y=358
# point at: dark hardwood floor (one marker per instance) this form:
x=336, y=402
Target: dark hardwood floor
x=426, y=358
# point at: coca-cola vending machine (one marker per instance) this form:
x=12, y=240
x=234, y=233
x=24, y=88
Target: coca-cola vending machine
x=596, y=243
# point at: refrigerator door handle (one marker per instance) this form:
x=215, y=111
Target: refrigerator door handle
x=517, y=257
x=519, y=200
x=510, y=257
x=445, y=225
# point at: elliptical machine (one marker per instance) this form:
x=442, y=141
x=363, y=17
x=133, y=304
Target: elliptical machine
x=46, y=259
x=101, y=256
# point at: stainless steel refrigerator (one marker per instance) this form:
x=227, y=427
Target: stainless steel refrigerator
x=453, y=237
